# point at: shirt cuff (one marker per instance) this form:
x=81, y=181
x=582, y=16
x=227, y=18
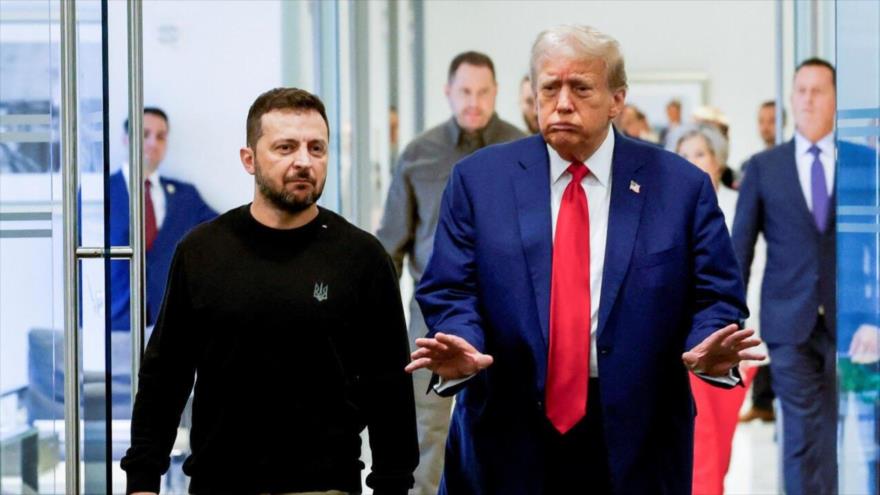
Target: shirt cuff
x=443, y=385
x=731, y=380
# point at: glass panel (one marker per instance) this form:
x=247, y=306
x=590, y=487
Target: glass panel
x=31, y=344
x=31, y=257
x=858, y=232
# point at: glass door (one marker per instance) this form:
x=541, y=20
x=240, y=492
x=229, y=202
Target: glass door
x=858, y=245
x=60, y=377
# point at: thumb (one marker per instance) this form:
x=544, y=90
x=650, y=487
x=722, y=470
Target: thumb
x=690, y=359
x=484, y=361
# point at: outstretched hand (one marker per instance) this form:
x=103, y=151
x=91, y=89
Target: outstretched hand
x=448, y=356
x=865, y=345
x=721, y=351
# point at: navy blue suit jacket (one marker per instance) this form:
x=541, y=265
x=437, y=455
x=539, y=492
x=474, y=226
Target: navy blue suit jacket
x=670, y=279
x=184, y=209
x=801, y=271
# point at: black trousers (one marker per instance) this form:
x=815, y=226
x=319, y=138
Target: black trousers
x=762, y=391
x=578, y=460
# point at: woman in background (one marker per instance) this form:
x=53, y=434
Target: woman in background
x=717, y=409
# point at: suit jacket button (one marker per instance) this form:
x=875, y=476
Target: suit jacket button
x=821, y=309
x=604, y=351
x=540, y=406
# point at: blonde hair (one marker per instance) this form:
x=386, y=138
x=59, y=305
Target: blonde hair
x=581, y=42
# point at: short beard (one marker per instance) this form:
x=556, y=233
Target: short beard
x=284, y=200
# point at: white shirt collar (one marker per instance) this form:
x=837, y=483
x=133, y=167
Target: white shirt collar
x=599, y=163
x=155, y=183
x=802, y=145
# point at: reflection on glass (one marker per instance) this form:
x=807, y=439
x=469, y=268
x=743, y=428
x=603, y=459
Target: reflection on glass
x=31, y=371
x=858, y=244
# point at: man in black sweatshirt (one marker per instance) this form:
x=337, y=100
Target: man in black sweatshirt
x=288, y=320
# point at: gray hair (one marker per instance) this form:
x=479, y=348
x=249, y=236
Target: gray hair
x=582, y=42
x=713, y=137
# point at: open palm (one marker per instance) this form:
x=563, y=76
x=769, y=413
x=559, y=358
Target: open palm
x=721, y=351
x=448, y=356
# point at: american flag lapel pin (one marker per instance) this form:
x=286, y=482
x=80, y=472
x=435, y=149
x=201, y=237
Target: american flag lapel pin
x=634, y=186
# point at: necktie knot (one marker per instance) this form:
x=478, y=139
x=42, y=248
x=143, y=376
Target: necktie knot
x=578, y=171
x=815, y=151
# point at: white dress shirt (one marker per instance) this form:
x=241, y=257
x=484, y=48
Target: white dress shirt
x=597, y=186
x=804, y=160
x=156, y=194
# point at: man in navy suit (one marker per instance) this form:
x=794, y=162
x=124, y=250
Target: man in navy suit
x=171, y=209
x=788, y=194
x=576, y=276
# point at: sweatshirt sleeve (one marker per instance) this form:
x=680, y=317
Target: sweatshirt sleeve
x=387, y=389
x=165, y=380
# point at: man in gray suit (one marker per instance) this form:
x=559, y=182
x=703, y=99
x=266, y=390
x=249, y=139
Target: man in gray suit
x=411, y=213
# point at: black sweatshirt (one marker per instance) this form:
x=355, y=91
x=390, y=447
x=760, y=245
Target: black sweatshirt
x=298, y=341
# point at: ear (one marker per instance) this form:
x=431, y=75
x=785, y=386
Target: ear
x=247, y=159
x=446, y=90
x=619, y=101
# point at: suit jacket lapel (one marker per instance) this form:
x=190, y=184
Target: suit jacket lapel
x=623, y=222
x=532, y=189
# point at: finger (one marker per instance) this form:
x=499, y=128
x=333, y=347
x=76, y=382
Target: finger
x=751, y=356
x=689, y=359
x=432, y=344
x=418, y=364
x=484, y=361
x=423, y=352
x=732, y=339
x=454, y=341
x=423, y=341
x=748, y=343
x=718, y=336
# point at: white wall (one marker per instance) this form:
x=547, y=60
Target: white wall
x=731, y=41
x=204, y=64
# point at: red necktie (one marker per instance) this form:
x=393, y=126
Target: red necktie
x=568, y=363
x=150, y=228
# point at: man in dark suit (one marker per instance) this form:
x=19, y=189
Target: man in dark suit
x=576, y=276
x=171, y=209
x=788, y=194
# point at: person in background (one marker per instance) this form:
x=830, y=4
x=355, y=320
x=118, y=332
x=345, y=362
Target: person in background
x=288, y=320
x=703, y=116
x=171, y=209
x=393, y=135
x=762, y=388
x=527, y=105
x=717, y=409
x=673, y=117
x=410, y=219
x=633, y=123
x=627, y=122
x=788, y=194
x=767, y=123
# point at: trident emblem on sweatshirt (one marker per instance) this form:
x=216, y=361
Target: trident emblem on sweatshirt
x=320, y=292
